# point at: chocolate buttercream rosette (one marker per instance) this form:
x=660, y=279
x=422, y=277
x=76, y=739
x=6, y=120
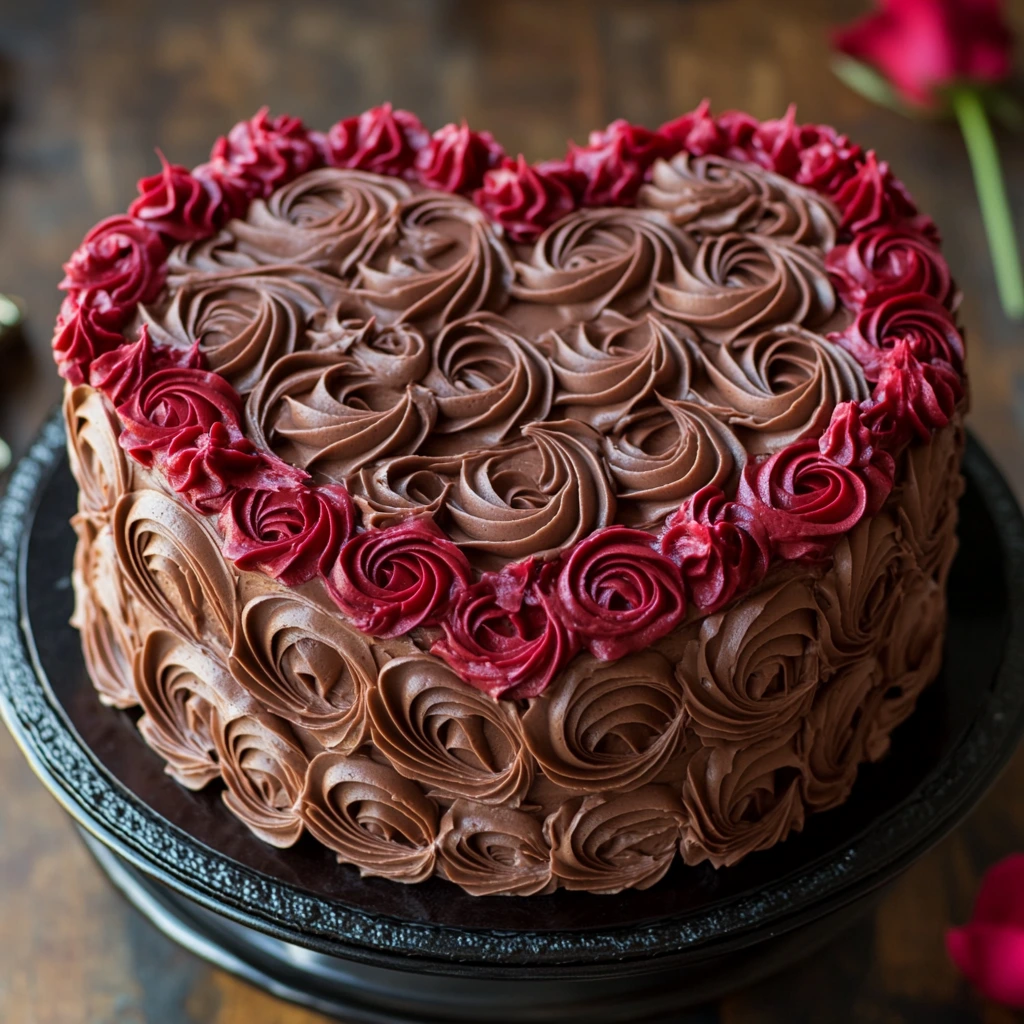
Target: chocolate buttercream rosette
x=577, y=405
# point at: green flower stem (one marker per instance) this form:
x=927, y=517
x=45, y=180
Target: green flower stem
x=995, y=207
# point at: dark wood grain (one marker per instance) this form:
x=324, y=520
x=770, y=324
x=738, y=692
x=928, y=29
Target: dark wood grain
x=88, y=90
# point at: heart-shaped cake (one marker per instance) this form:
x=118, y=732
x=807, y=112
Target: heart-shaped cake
x=525, y=525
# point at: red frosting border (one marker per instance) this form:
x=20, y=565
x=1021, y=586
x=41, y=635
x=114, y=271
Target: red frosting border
x=510, y=633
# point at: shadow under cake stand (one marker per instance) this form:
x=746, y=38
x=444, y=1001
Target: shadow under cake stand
x=307, y=929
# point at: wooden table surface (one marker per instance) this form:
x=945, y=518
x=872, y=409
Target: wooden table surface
x=92, y=88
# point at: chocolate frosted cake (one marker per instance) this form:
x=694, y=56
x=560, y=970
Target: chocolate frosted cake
x=524, y=525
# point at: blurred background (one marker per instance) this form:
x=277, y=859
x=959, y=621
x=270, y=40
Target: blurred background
x=87, y=90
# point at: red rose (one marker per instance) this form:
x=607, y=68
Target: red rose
x=288, y=534
x=719, y=545
x=615, y=162
x=392, y=580
x=503, y=635
x=119, y=264
x=205, y=467
x=525, y=199
x=911, y=397
x=696, y=132
x=619, y=594
x=918, y=318
x=177, y=404
x=381, y=140
x=258, y=155
x=456, y=159
x=989, y=949
x=177, y=204
x=923, y=45
x=848, y=441
x=805, y=500
x=82, y=333
x=875, y=196
x=888, y=260
x=120, y=372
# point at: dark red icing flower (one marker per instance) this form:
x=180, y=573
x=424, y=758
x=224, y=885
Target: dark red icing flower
x=258, y=155
x=875, y=196
x=381, y=140
x=779, y=143
x=120, y=373
x=119, y=264
x=911, y=397
x=81, y=334
x=618, y=593
x=848, y=441
x=918, y=318
x=289, y=534
x=177, y=405
x=456, y=158
x=503, y=634
x=204, y=467
x=719, y=546
x=615, y=162
x=829, y=163
x=887, y=260
x=179, y=205
x=392, y=580
x=524, y=199
x=805, y=500
x=696, y=132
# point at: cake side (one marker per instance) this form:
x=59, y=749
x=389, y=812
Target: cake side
x=715, y=742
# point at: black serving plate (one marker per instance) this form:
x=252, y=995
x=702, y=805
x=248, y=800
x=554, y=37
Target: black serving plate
x=311, y=930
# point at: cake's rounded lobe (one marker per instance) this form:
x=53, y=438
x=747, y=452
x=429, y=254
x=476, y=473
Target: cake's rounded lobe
x=604, y=727
x=371, y=817
x=494, y=851
x=453, y=739
x=607, y=843
x=264, y=769
x=301, y=662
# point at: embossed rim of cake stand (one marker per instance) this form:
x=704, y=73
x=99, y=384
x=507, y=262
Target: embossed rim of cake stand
x=137, y=834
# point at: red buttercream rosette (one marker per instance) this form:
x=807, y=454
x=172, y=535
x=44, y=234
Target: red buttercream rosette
x=719, y=545
x=390, y=581
x=381, y=140
x=504, y=635
x=456, y=158
x=619, y=594
x=527, y=198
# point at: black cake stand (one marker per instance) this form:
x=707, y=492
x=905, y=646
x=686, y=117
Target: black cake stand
x=374, y=951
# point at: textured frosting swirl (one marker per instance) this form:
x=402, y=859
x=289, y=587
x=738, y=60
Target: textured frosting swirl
x=303, y=663
x=779, y=385
x=752, y=669
x=97, y=460
x=370, y=816
x=607, y=726
x=740, y=282
x=607, y=844
x=600, y=259
x=711, y=195
x=174, y=568
x=454, y=739
x=491, y=851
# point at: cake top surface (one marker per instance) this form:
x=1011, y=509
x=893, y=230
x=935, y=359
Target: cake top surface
x=531, y=407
